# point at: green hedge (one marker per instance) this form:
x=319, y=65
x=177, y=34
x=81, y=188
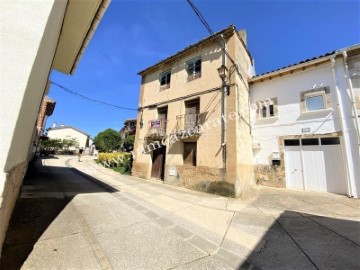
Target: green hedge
x=120, y=161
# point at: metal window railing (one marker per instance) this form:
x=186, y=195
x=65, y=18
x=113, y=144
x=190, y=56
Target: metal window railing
x=185, y=122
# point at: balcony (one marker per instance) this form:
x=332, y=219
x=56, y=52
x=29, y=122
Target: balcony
x=187, y=124
x=129, y=130
x=157, y=129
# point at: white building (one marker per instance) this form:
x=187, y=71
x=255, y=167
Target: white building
x=36, y=37
x=68, y=132
x=305, y=118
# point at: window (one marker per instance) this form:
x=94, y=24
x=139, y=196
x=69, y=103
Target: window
x=314, y=103
x=193, y=69
x=267, y=108
x=165, y=79
x=330, y=141
x=315, y=99
x=291, y=142
x=275, y=162
x=311, y=141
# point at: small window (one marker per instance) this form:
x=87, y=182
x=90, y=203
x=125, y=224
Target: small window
x=292, y=142
x=271, y=110
x=314, y=103
x=263, y=112
x=267, y=108
x=165, y=79
x=276, y=162
x=193, y=69
x=310, y=141
x=330, y=141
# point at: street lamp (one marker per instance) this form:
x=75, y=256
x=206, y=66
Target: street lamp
x=223, y=75
x=223, y=72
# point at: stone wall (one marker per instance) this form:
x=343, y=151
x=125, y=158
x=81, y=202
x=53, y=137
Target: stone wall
x=270, y=176
x=193, y=176
x=141, y=170
x=8, y=198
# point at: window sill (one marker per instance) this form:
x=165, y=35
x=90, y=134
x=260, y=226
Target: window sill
x=191, y=78
x=267, y=120
x=317, y=111
x=164, y=87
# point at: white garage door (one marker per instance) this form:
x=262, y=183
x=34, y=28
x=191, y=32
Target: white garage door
x=315, y=164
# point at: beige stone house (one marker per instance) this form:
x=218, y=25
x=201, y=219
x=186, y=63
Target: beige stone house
x=193, y=121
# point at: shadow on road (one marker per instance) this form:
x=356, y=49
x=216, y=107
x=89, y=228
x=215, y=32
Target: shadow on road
x=44, y=194
x=298, y=240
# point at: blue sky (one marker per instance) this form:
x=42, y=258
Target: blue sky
x=136, y=34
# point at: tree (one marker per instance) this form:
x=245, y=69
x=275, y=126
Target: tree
x=107, y=140
x=128, y=143
x=67, y=143
x=51, y=144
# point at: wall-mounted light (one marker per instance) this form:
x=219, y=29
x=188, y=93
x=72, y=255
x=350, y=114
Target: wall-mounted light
x=222, y=72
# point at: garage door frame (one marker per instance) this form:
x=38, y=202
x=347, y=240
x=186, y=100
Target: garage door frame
x=309, y=166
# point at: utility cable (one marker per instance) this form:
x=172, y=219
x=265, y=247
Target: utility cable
x=91, y=99
x=218, y=39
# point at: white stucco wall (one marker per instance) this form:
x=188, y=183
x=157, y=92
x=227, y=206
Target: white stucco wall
x=29, y=32
x=68, y=133
x=26, y=57
x=290, y=120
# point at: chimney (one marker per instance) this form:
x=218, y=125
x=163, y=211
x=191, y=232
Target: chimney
x=54, y=125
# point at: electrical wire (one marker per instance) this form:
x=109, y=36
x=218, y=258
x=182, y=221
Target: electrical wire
x=91, y=99
x=218, y=39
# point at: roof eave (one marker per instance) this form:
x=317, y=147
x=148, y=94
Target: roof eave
x=77, y=31
x=187, y=49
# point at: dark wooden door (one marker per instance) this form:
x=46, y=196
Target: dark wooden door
x=158, y=163
x=190, y=153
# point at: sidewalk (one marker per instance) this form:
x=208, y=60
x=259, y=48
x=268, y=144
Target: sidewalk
x=80, y=215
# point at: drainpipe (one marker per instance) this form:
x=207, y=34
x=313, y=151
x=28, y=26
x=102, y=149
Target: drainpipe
x=349, y=170
x=223, y=112
x=351, y=95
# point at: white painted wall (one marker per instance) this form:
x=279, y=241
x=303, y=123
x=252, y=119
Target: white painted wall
x=68, y=133
x=26, y=57
x=29, y=32
x=290, y=120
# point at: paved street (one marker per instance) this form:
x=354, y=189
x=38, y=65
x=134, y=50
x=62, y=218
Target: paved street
x=78, y=215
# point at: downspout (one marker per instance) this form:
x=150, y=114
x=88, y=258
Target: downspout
x=341, y=113
x=223, y=113
x=351, y=95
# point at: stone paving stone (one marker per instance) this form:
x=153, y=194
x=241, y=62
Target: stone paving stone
x=165, y=222
x=347, y=228
x=209, y=262
x=103, y=217
x=229, y=258
x=203, y=244
x=69, y=252
x=321, y=244
x=66, y=223
x=146, y=246
x=277, y=249
x=168, y=203
x=182, y=232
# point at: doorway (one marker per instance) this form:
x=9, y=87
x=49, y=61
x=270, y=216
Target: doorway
x=158, y=163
